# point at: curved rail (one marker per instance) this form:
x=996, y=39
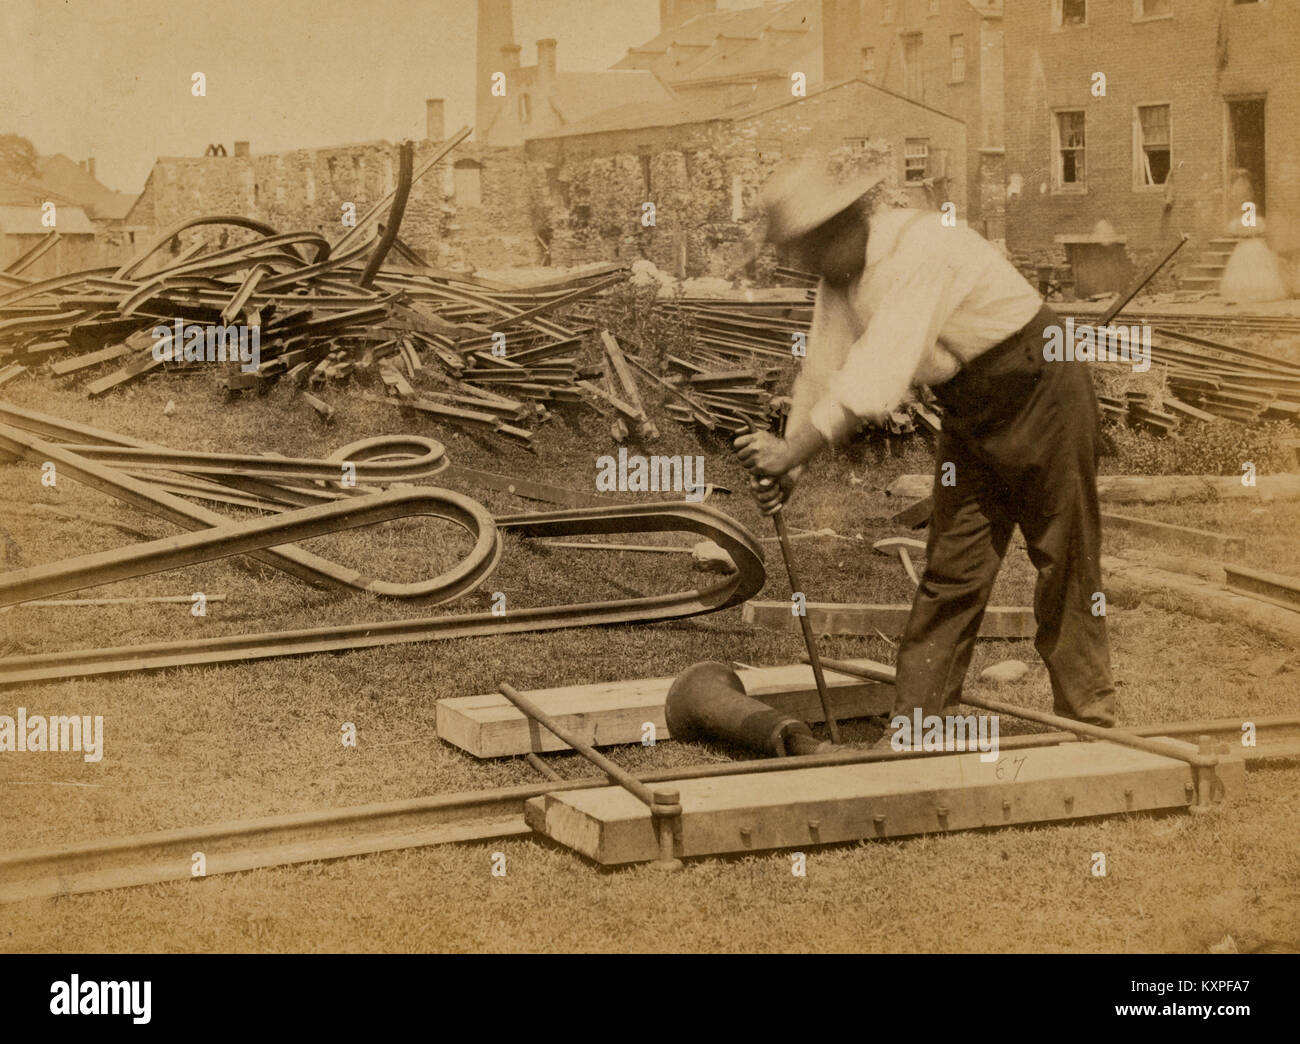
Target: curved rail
x=745, y=581
x=204, y=545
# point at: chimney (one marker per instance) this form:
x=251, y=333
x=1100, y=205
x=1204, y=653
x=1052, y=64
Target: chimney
x=510, y=57
x=495, y=29
x=241, y=149
x=545, y=63
x=673, y=13
x=90, y=166
x=434, y=122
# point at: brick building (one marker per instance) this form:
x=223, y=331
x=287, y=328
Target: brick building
x=1199, y=112
x=515, y=101
x=943, y=53
x=728, y=55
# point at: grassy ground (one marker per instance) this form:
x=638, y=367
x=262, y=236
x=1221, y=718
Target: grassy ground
x=209, y=744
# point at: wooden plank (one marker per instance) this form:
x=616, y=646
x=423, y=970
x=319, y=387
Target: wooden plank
x=1000, y=621
x=839, y=803
x=1202, y=540
x=915, y=515
x=1152, y=489
x=608, y=713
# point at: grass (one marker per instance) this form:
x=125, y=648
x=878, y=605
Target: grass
x=207, y=744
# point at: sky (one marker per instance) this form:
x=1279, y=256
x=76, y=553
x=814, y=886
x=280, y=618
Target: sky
x=112, y=78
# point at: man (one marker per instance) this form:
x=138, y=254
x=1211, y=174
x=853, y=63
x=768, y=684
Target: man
x=905, y=300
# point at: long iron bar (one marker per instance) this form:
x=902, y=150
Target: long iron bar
x=1123, y=737
x=165, y=855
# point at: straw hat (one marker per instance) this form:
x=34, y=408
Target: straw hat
x=800, y=197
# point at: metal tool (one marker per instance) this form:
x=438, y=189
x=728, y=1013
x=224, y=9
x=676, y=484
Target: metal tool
x=810, y=643
x=708, y=701
x=664, y=802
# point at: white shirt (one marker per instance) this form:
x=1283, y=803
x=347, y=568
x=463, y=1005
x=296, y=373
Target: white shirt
x=931, y=298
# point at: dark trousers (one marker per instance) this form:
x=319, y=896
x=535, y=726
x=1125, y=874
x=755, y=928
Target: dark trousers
x=1022, y=436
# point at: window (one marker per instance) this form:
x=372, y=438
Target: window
x=916, y=155
x=957, y=46
x=1144, y=9
x=856, y=146
x=913, y=71
x=868, y=61
x=468, y=182
x=887, y=11
x=933, y=7
x=1069, y=147
x=1070, y=12
x=1152, y=153
x=525, y=108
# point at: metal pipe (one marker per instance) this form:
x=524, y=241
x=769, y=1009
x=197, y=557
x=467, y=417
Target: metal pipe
x=1126, y=738
x=664, y=803
x=619, y=775
x=405, y=162
x=1166, y=748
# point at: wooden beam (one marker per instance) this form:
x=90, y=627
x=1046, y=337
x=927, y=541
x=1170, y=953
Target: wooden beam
x=812, y=806
x=1202, y=540
x=608, y=713
x=1151, y=489
x=1197, y=597
x=1000, y=621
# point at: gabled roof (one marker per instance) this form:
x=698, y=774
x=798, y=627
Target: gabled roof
x=697, y=108
x=740, y=43
x=579, y=95
x=67, y=178
x=25, y=220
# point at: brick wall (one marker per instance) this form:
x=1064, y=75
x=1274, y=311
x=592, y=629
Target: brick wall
x=852, y=25
x=1167, y=61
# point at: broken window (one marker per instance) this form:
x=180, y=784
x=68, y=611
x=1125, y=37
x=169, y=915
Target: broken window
x=1069, y=132
x=1070, y=12
x=957, y=47
x=1153, y=144
x=1154, y=8
x=868, y=61
x=916, y=158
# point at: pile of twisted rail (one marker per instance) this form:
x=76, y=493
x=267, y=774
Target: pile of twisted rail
x=306, y=498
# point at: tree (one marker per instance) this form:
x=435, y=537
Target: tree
x=18, y=158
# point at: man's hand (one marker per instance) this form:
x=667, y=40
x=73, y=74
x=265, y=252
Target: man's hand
x=771, y=494
x=763, y=454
